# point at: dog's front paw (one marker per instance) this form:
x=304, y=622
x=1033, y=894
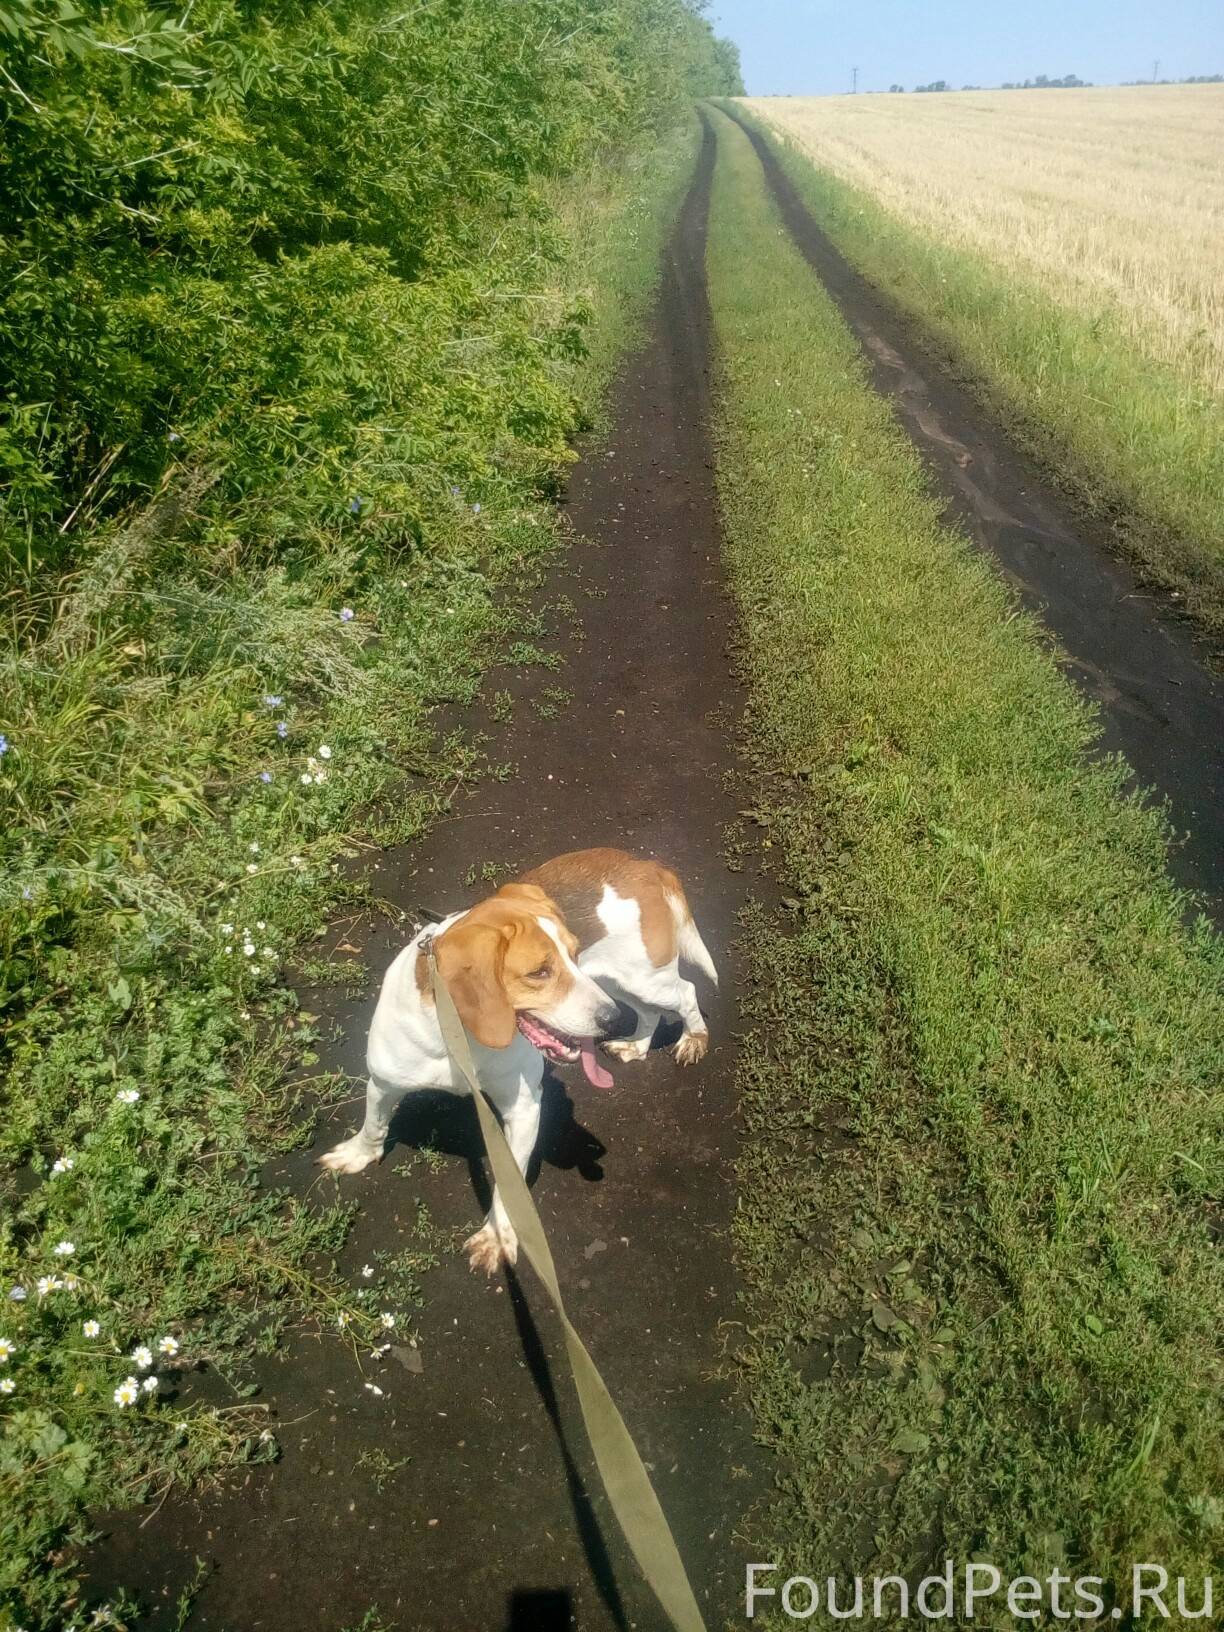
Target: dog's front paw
x=692, y=1047
x=351, y=1155
x=488, y=1250
x=626, y=1050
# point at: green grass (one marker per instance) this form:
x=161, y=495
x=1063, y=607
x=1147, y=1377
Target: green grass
x=1135, y=444
x=155, y=818
x=980, y=1077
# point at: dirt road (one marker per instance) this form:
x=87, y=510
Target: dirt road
x=496, y=1520
x=1161, y=703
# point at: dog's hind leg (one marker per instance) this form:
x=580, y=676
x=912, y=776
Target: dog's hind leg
x=366, y=1146
x=695, y=1038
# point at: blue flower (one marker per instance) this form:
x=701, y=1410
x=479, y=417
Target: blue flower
x=356, y=506
x=271, y=700
x=265, y=776
x=454, y=492
x=282, y=730
x=27, y=892
x=346, y=614
x=4, y=744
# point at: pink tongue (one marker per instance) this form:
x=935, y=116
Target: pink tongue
x=595, y=1073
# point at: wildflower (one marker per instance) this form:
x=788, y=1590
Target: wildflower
x=260, y=923
x=63, y=1164
x=306, y=779
x=27, y=894
x=128, y=1096
x=454, y=492
x=47, y=1284
x=7, y=1349
x=253, y=848
x=71, y=1282
x=342, y=1320
x=7, y=1385
x=4, y=745
x=142, y=1357
x=367, y=1270
x=346, y=614
x=324, y=751
x=174, y=436
x=251, y=867
x=265, y=776
x=17, y=1294
x=168, y=1345
x=127, y=1392
x=297, y=861
x=356, y=506
x=227, y=929
x=386, y=1320
x=149, y=1385
x=91, y=1328
x=475, y=509
x=254, y=968
x=271, y=700
x=268, y=952
x=282, y=730
x=64, y=1249
x=248, y=949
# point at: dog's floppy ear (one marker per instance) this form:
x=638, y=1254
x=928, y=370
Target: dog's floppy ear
x=470, y=959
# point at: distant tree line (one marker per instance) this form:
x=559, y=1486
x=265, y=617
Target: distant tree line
x=1192, y=79
x=1068, y=82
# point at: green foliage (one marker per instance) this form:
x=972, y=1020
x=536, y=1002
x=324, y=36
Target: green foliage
x=981, y=1072
x=299, y=304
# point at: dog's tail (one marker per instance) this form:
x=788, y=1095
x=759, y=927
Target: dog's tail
x=692, y=948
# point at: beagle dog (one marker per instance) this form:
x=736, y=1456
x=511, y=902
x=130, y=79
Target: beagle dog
x=538, y=970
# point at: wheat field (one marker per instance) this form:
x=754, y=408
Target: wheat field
x=1104, y=199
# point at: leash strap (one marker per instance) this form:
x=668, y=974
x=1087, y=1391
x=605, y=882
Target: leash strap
x=625, y=1479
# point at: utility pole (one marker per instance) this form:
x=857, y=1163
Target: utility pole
x=1156, y=70
x=854, y=82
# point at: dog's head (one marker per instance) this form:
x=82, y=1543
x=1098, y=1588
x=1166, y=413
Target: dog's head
x=509, y=966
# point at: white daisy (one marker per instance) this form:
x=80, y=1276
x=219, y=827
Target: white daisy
x=71, y=1282
x=324, y=751
x=260, y=924
x=305, y=779
x=63, y=1164
x=7, y=1385
x=64, y=1249
x=253, y=848
x=48, y=1283
x=251, y=867
x=227, y=929
x=142, y=1357
x=168, y=1345
x=128, y=1096
x=127, y=1392
x=367, y=1270
x=149, y=1385
x=7, y=1349
x=386, y=1320
x=91, y=1328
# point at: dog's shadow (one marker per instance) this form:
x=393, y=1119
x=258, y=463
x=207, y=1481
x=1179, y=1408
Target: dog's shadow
x=445, y=1122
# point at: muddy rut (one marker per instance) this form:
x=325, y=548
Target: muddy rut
x=496, y=1520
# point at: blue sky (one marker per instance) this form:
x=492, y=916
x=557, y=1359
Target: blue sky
x=809, y=46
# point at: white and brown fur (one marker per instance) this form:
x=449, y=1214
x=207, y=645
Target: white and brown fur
x=563, y=944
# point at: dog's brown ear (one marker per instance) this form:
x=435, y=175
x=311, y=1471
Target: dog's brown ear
x=470, y=959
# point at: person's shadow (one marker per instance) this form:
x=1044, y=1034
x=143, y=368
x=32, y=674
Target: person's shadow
x=543, y=1609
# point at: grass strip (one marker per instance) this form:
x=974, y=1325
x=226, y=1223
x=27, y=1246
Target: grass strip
x=981, y=1069
x=190, y=740
x=1135, y=444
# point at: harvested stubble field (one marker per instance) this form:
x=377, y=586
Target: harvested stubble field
x=1064, y=248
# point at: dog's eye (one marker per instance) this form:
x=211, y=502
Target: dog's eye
x=542, y=973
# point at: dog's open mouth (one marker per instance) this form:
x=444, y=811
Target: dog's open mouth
x=563, y=1050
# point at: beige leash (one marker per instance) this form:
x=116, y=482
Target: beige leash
x=626, y=1481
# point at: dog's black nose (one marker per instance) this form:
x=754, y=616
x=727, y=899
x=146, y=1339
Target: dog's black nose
x=609, y=1017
